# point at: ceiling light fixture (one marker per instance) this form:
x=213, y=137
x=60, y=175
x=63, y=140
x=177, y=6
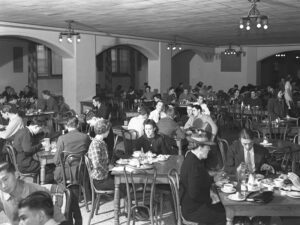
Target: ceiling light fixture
x=174, y=45
x=230, y=51
x=69, y=33
x=255, y=17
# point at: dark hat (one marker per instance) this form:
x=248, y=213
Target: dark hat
x=200, y=133
x=199, y=139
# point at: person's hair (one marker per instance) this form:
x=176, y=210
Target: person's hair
x=198, y=107
x=170, y=112
x=190, y=105
x=39, y=200
x=102, y=126
x=97, y=98
x=143, y=110
x=157, y=96
x=148, y=87
x=33, y=96
x=46, y=92
x=151, y=122
x=7, y=166
x=73, y=122
x=171, y=88
x=9, y=109
x=246, y=134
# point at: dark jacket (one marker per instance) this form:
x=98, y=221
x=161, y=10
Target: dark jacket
x=25, y=151
x=103, y=111
x=276, y=108
x=235, y=156
x=155, y=145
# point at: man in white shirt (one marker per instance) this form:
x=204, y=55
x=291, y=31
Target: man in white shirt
x=15, y=121
x=137, y=122
x=158, y=112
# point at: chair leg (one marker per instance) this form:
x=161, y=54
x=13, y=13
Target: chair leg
x=93, y=206
x=161, y=206
x=98, y=203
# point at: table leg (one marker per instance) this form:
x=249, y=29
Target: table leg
x=116, y=203
x=43, y=171
x=229, y=221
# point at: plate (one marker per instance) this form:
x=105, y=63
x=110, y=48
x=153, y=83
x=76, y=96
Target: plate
x=293, y=194
x=266, y=144
x=234, y=197
x=142, y=167
x=122, y=161
x=220, y=183
x=228, y=192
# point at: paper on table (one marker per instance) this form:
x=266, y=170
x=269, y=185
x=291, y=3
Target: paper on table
x=121, y=169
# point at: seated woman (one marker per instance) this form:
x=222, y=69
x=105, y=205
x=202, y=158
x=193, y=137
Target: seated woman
x=151, y=141
x=198, y=202
x=98, y=155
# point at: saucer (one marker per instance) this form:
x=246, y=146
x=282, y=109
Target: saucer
x=234, y=197
x=228, y=192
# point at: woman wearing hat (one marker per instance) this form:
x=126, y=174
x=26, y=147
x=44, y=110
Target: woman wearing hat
x=195, y=185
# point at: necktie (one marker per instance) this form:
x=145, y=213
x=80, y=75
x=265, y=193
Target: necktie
x=248, y=162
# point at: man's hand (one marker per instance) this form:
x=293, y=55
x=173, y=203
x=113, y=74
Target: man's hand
x=267, y=167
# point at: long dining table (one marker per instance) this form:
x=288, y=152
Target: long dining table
x=162, y=168
x=279, y=206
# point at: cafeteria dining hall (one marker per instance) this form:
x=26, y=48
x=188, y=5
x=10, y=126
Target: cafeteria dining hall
x=150, y=112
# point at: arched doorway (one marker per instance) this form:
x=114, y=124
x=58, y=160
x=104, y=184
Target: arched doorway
x=277, y=66
x=120, y=65
x=27, y=62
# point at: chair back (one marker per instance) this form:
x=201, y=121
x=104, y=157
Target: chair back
x=174, y=184
x=138, y=185
x=223, y=146
x=72, y=167
x=129, y=138
x=61, y=197
x=89, y=168
x=12, y=156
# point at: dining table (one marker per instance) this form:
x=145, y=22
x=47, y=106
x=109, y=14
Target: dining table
x=45, y=158
x=162, y=168
x=280, y=205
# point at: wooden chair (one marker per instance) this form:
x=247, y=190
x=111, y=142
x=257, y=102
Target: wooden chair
x=96, y=193
x=129, y=139
x=174, y=183
x=223, y=146
x=74, y=172
x=30, y=177
x=141, y=204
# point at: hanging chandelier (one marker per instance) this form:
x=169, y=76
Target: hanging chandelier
x=233, y=51
x=174, y=45
x=254, y=17
x=69, y=33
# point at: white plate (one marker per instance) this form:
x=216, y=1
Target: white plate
x=228, y=192
x=234, y=197
x=293, y=194
x=122, y=161
x=266, y=144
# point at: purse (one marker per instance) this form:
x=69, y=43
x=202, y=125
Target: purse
x=260, y=197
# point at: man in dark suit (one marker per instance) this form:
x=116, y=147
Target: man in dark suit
x=245, y=151
x=50, y=103
x=72, y=142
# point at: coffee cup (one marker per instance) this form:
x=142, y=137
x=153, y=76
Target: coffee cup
x=125, y=122
x=228, y=187
x=278, y=182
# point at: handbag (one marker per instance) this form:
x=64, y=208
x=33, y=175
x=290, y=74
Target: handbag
x=260, y=197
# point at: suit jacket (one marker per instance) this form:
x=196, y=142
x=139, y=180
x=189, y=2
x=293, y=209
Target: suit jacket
x=72, y=142
x=169, y=127
x=235, y=156
x=276, y=108
x=25, y=151
x=104, y=111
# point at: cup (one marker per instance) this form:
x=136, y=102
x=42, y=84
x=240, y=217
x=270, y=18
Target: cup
x=278, y=182
x=228, y=187
x=125, y=122
x=47, y=144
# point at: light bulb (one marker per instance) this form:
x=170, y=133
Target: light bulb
x=179, y=48
x=247, y=27
x=174, y=48
x=69, y=39
x=258, y=25
x=168, y=47
x=78, y=38
x=60, y=38
x=241, y=26
x=266, y=26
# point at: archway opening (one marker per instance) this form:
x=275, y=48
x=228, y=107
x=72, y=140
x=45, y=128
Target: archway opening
x=27, y=62
x=120, y=65
x=277, y=66
x=181, y=68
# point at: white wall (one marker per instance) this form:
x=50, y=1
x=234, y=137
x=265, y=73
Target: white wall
x=7, y=75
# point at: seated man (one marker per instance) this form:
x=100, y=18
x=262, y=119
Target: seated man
x=37, y=209
x=12, y=190
x=25, y=148
x=72, y=142
x=253, y=101
x=50, y=103
x=245, y=151
x=137, y=122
